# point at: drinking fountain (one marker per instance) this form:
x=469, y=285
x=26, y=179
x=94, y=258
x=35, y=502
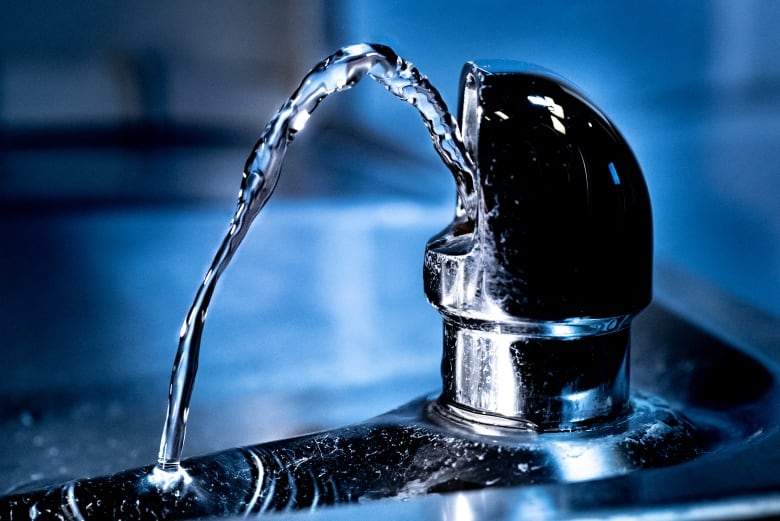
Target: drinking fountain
x=540, y=278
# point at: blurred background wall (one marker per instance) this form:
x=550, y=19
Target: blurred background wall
x=146, y=102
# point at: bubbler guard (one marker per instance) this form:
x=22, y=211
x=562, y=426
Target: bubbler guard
x=538, y=290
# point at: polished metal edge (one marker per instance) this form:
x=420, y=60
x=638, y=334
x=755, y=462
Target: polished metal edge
x=577, y=327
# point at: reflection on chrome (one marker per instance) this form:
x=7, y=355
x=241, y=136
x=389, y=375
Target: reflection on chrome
x=578, y=462
x=556, y=111
x=460, y=508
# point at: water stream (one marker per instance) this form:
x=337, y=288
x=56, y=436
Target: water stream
x=338, y=72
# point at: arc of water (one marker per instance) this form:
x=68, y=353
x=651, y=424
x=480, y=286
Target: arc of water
x=340, y=71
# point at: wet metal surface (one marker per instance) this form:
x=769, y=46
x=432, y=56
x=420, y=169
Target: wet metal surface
x=89, y=338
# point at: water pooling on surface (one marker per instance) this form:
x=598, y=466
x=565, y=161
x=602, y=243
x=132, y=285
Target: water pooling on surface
x=338, y=72
x=405, y=453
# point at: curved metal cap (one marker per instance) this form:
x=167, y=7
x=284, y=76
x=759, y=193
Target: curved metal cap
x=538, y=288
x=563, y=229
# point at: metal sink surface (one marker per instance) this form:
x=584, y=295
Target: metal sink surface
x=321, y=322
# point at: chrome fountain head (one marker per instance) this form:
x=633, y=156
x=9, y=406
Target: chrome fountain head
x=538, y=290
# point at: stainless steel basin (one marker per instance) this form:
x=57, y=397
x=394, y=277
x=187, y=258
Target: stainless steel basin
x=91, y=307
